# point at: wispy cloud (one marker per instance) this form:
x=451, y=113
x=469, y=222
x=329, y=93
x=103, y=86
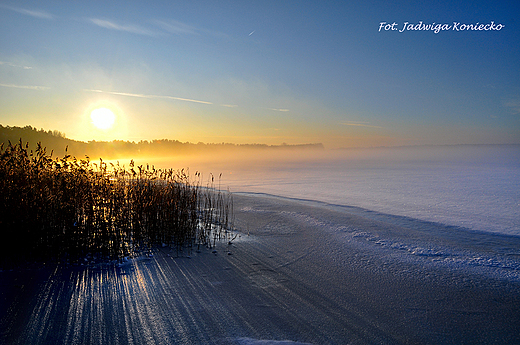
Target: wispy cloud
x=135, y=29
x=29, y=87
x=32, y=13
x=14, y=65
x=359, y=124
x=514, y=105
x=229, y=105
x=274, y=109
x=176, y=27
x=171, y=26
x=149, y=96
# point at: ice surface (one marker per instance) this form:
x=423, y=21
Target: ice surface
x=476, y=187
x=301, y=272
x=249, y=341
x=399, y=239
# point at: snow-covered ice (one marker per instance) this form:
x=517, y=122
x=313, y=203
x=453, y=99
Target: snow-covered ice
x=477, y=187
x=395, y=247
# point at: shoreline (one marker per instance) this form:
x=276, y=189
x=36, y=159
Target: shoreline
x=422, y=238
x=371, y=214
x=304, y=274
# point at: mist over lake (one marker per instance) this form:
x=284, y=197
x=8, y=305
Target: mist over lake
x=475, y=187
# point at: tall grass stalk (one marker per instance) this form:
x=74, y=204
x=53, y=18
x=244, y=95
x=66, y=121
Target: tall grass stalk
x=69, y=208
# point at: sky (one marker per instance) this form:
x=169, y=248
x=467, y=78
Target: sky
x=269, y=72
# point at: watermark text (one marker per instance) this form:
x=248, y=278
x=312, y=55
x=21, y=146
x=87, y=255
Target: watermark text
x=438, y=27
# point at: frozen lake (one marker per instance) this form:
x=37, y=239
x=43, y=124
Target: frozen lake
x=301, y=272
x=476, y=187
x=382, y=246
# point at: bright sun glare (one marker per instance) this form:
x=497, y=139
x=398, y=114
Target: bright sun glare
x=103, y=118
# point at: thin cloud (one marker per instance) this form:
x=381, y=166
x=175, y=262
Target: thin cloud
x=150, y=96
x=28, y=87
x=229, y=105
x=176, y=27
x=274, y=109
x=32, y=13
x=14, y=65
x=514, y=105
x=135, y=29
x=359, y=124
x=183, y=99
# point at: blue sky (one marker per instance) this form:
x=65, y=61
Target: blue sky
x=264, y=71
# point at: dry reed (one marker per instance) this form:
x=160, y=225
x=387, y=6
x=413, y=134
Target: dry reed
x=67, y=209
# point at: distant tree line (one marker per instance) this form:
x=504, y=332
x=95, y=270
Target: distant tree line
x=57, y=142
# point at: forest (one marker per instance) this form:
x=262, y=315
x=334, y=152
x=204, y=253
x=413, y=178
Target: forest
x=57, y=142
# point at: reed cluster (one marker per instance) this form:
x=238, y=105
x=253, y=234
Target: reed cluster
x=70, y=208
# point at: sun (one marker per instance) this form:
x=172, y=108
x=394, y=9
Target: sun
x=103, y=118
